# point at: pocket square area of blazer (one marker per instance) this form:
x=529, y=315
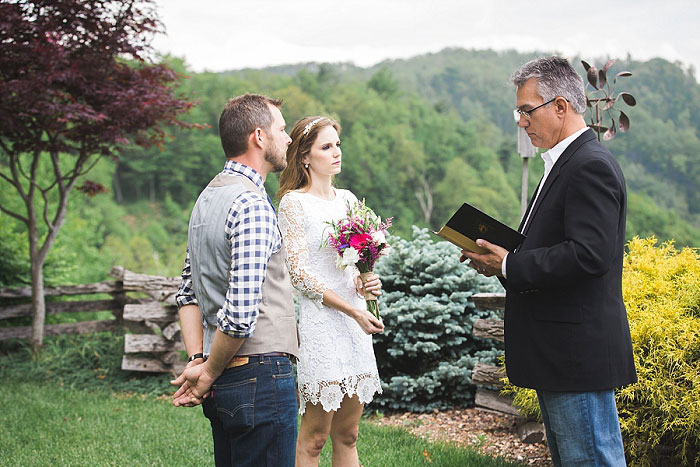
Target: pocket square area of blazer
x=469, y=224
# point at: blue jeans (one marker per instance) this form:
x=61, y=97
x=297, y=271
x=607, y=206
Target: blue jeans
x=583, y=428
x=253, y=414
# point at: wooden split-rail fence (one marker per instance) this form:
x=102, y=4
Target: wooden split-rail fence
x=489, y=378
x=155, y=344
x=142, y=304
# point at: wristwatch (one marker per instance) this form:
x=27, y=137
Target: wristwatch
x=195, y=357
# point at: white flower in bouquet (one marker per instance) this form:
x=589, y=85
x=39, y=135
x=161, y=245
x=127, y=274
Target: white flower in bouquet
x=350, y=257
x=378, y=237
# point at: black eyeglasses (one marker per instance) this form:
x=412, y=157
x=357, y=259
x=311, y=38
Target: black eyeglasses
x=528, y=113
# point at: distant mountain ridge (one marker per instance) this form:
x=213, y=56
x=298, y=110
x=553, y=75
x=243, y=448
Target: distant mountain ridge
x=660, y=154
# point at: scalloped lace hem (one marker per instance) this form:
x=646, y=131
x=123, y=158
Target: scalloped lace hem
x=331, y=393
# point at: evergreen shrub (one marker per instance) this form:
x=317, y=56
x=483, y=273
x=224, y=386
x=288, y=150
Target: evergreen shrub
x=426, y=353
x=660, y=414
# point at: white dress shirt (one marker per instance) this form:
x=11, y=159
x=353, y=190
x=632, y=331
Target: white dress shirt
x=550, y=158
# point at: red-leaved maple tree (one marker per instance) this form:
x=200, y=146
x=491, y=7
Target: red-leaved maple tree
x=77, y=81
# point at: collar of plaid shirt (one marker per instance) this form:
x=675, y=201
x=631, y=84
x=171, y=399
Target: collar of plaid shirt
x=233, y=167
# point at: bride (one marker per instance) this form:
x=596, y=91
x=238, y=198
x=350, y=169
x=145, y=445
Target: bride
x=336, y=371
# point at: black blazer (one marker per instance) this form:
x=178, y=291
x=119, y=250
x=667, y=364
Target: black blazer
x=566, y=325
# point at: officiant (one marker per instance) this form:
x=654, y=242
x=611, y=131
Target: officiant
x=566, y=329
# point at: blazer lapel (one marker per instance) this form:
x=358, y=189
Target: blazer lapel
x=529, y=207
x=554, y=173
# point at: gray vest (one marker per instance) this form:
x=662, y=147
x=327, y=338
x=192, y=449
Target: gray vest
x=210, y=260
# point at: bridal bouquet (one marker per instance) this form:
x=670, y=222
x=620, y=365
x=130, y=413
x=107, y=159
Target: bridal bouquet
x=360, y=239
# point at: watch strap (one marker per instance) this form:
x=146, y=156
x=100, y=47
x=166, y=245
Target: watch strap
x=195, y=357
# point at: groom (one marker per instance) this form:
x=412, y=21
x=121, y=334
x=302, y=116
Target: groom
x=236, y=310
x=566, y=329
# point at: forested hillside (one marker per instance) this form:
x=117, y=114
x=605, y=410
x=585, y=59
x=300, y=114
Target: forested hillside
x=420, y=136
x=409, y=158
x=660, y=154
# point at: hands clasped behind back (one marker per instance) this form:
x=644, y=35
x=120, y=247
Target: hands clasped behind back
x=195, y=383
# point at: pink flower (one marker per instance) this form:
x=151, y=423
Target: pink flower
x=359, y=241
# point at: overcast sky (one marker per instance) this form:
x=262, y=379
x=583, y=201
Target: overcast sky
x=232, y=34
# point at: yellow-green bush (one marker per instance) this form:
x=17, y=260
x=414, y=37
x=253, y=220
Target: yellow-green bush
x=660, y=414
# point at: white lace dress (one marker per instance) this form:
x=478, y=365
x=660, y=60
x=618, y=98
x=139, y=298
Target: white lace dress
x=335, y=356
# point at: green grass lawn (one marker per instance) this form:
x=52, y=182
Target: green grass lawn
x=48, y=425
x=72, y=405
x=44, y=424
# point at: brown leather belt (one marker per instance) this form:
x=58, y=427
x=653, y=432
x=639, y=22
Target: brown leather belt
x=240, y=360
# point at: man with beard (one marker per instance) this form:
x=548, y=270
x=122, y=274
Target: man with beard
x=235, y=301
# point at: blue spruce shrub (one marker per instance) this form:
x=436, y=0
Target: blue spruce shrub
x=426, y=353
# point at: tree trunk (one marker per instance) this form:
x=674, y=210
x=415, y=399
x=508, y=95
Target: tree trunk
x=117, y=186
x=37, y=255
x=425, y=199
x=38, y=302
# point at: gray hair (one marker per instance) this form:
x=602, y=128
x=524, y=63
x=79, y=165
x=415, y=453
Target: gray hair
x=555, y=77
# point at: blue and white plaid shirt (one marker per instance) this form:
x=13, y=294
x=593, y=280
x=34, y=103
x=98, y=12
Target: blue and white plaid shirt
x=251, y=227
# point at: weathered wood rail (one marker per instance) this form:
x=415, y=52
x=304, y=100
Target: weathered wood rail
x=115, y=305
x=140, y=303
x=156, y=342
x=491, y=378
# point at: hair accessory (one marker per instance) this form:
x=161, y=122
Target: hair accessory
x=310, y=125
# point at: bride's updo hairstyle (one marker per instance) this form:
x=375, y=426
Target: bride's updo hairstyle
x=303, y=135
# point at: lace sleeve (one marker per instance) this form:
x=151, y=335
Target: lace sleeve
x=291, y=222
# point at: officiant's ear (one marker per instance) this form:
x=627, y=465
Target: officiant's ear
x=560, y=104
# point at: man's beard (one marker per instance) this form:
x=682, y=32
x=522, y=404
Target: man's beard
x=277, y=157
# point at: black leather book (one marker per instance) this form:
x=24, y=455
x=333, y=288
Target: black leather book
x=469, y=224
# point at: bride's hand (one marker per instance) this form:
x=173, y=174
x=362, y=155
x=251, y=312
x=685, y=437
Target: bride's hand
x=368, y=323
x=373, y=285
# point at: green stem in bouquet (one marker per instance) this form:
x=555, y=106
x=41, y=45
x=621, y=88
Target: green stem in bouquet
x=373, y=307
x=370, y=298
